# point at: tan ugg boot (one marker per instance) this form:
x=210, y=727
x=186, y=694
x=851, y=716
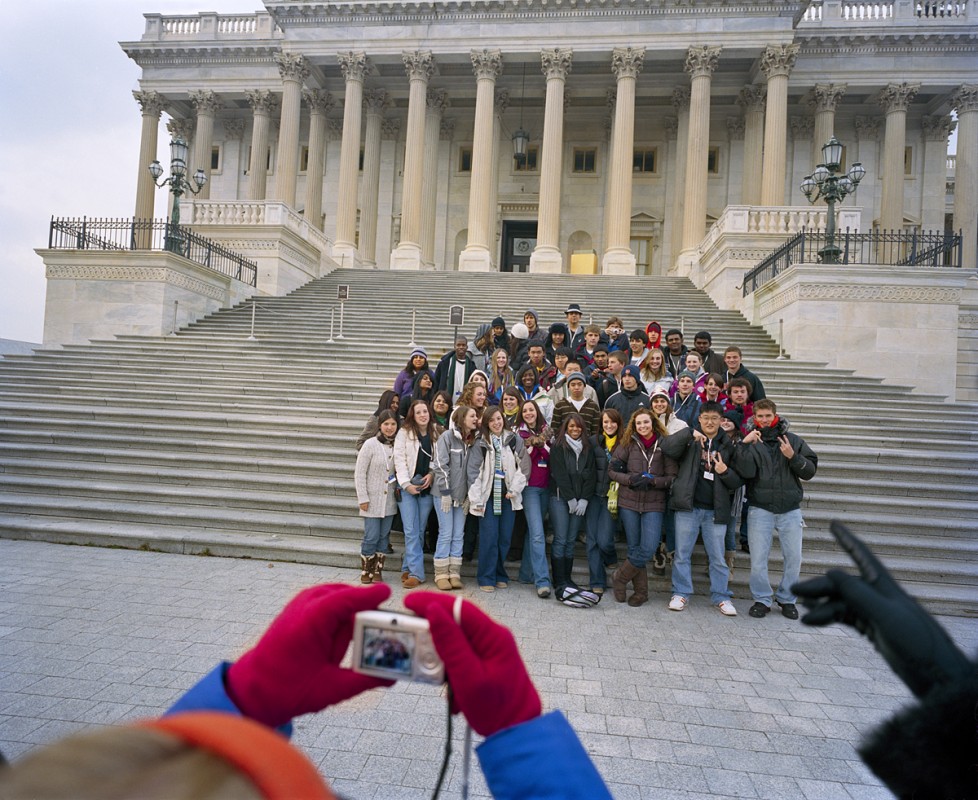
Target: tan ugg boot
x=641, y=583
x=367, y=568
x=455, y=573
x=442, y=581
x=379, y=567
x=620, y=579
x=731, y=559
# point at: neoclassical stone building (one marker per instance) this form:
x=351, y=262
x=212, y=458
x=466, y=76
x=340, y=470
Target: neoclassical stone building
x=389, y=125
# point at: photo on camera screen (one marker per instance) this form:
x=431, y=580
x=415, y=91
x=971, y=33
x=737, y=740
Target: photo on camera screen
x=387, y=649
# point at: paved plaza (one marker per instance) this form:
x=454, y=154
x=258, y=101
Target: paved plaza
x=670, y=705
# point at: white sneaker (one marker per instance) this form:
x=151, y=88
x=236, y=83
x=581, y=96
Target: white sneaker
x=678, y=603
x=727, y=608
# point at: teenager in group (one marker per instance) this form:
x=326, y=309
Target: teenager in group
x=735, y=369
x=493, y=339
x=653, y=372
x=645, y=475
x=694, y=364
x=475, y=395
x=631, y=396
x=423, y=388
x=536, y=436
x=373, y=477
x=500, y=375
x=575, y=329
x=615, y=336
x=413, y=451
x=496, y=471
x=600, y=537
x=662, y=408
x=451, y=490
x=441, y=409
x=545, y=371
x=685, y=401
x=712, y=390
x=584, y=352
x=577, y=402
x=675, y=352
x=573, y=476
x=530, y=389
x=638, y=345
x=389, y=401
x=510, y=403
x=455, y=368
x=557, y=337
x=703, y=344
x=417, y=362
x=739, y=409
x=602, y=378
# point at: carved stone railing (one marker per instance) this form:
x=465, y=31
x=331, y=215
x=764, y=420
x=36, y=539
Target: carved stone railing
x=257, y=212
x=782, y=221
x=888, y=12
x=259, y=25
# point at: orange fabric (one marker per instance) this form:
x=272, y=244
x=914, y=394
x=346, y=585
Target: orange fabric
x=278, y=770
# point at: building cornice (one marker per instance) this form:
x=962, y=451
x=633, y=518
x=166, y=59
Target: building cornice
x=182, y=54
x=963, y=41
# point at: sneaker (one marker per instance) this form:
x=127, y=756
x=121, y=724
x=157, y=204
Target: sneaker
x=488, y=588
x=502, y=585
x=789, y=610
x=727, y=608
x=759, y=610
x=678, y=603
x=543, y=592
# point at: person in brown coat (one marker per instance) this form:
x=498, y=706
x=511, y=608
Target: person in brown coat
x=645, y=475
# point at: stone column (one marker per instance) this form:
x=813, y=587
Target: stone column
x=354, y=66
x=825, y=99
x=419, y=66
x=680, y=102
x=618, y=259
x=777, y=62
x=320, y=102
x=499, y=106
x=556, y=66
x=207, y=103
x=936, y=131
x=894, y=100
x=437, y=102
x=735, y=133
x=610, y=98
x=294, y=70
x=752, y=99
x=487, y=66
x=965, y=102
x=802, y=130
x=374, y=103
x=152, y=105
x=234, y=128
x=263, y=104
x=700, y=64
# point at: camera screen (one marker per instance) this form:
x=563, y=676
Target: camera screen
x=387, y=649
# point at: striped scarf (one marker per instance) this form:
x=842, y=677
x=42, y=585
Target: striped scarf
x=497, y=475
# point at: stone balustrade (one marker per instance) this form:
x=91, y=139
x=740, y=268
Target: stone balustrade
x=896, y=12
x=207, y=25
x=255, y=212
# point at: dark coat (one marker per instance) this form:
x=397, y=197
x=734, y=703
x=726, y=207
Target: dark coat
x=629, y=461
x=601, y=458
x=445, y=371
x=572, y=477
x=688, y=452
x=774, y=482
x=627, y=403
x=756, y=387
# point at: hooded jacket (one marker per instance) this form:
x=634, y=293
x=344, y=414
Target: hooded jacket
x=627, y=402
x=480, y=469
x=448, y=466
x=773, y=481
x=630, y=460
x=572, y=476
x=688, y=452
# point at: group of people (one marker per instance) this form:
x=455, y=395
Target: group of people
x=590, y=429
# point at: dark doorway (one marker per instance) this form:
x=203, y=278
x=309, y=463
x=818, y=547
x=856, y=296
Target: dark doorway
x=519, y=239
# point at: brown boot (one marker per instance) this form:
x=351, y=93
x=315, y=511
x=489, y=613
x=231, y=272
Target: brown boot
x=442, y=581
x=455, y=573
x=379, y=567
x=641, y=583
x=367, y=568
x=619, y=580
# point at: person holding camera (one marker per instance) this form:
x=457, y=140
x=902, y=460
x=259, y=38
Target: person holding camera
x=413, y=450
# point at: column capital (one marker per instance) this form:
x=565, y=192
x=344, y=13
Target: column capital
x=447, y=129
x=826, y=96
x=437, y=100
x=867, y=128
x=319, y=100
x=334, y=128
x=735, y=128
x=556, y=62
x=234, y=128
x=151, y=103
x=680, y=99
x=292, y=66
x=262, y=101
x=390, y=128
x=206, y=101
x=501, y=101
x=801, y=127
x=353, y=65
x=965, y=98
x=897, y=96
x=376, y=100
x=611, y=98
x=486, y=63
x=671, y=126
x=627, y=62
x=938, y=128
x=779, y=59
x=752, y=97
x=702, y=60
x=182, y=128
x=418, y=64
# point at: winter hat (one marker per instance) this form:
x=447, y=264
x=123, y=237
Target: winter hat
x=639, y=334
x=498, y=322
x=659, y=393
x=632, y=370
x=577, y=376
x=419, y=351
x=520, y=331
x=573, y=308
x=686, y=374
x=534, y=313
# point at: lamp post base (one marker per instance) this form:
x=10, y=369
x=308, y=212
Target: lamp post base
x=829, y=254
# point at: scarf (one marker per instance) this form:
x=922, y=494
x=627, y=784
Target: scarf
x=646, y=443
x=610, y=442
x=497, y=475
x=577, y=445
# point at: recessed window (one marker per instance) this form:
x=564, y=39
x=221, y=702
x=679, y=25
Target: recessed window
x=532, y=161
x=644, y=160
x=304, y=159
x=465, y=159
x=585, y=159
x=216, y=158
x=268, y=161
x=908, y=161
x=361, y=160
x=713, y=162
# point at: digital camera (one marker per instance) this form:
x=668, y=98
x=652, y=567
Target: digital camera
x=395, y=646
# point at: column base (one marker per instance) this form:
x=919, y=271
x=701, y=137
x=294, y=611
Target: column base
x=618, y=262
x=346, y=255
x=406, y=255
x=475, y=259
x=546, y=260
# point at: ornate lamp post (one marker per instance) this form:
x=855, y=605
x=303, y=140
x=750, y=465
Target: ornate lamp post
x=179, y=185
x=824, y=184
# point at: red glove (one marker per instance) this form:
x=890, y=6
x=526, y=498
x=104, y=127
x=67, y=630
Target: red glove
x=482, y=664
x=294, y=669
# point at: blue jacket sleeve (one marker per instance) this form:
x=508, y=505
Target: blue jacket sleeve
x=542, y=758
x=210, y=694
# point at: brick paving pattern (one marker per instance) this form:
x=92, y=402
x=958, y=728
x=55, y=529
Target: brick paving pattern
x=670, y=705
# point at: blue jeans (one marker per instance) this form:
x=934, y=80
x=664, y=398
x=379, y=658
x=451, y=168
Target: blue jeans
x=535, y=501
x=376, y=534
x=566, y=528
x=642, y=532
x=761, y=526
x=669, y=528
x=600, y=541
x=451, y=530
x=730, y=538
x=495, y=534
x=414, y=514
x=688, y=527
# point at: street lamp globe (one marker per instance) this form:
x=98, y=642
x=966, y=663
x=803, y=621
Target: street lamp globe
x=857, y=172
x=156, y=170
x=832, y=154
x=821, y=173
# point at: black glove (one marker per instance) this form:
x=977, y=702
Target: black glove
x=640, y=481
x=917, y=649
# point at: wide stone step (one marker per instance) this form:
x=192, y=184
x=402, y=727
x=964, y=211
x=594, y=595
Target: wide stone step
x=847, y=502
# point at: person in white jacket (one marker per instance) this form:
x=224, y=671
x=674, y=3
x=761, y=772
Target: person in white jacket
x=497, y=471
x=414, y=449
x=374, y=479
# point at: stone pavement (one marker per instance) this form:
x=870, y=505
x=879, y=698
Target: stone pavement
x=677, y=706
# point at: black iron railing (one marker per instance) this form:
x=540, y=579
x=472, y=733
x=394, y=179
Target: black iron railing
x=149, y=234
x=895, y=248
